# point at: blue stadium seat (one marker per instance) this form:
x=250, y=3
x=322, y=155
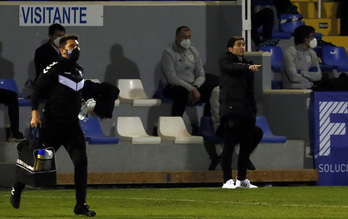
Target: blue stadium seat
x=276, y=57
x=335, y=56
x=281, y=35
x=318, y=36
x=10, y=84
x=289, y=22
x=159, y=93
x=277, y=84
x=207, y=130
x=93, y=132
x=268, y=136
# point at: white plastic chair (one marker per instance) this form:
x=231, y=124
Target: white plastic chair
x=132, y=129
x=172, y=128
x=132, y=91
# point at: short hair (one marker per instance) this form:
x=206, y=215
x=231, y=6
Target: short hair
x=65, y=38
x=54, y=27
x=302, y=32
x=185, y=28
x=231, y=41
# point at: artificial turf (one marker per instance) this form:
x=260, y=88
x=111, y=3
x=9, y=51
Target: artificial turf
x=202, y=202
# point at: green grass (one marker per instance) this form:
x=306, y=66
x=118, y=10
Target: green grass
x=265, y=202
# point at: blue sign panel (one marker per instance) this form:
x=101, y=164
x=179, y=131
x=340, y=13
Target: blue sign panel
x=329, y=137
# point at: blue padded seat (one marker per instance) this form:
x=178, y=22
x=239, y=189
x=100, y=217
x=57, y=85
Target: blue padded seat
x=93, y=132
x=327, y=68
x=277, y=84
x=335, y=56
x=207, y=130
x=281, y=35
x=10, y=84
x=159, y=93
x=289, y=22
x=276, y=57
x=268, y=136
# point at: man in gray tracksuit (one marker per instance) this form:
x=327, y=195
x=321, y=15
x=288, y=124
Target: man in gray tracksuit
x=300, y=62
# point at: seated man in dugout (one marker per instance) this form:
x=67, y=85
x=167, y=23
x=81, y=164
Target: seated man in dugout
x=301, y=68
x=184, y=77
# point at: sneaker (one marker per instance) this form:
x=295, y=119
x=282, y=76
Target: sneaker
x=244, y=184
x=17, y=137
x=229, y=184
x=84, y=210
x=15, y=198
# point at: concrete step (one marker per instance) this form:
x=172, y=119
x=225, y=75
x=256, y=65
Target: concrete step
x=8, y=151
x=326, y=26
x=7, y=173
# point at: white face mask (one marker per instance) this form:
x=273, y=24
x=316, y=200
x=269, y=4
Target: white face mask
x=185, y=43
x=313, y=43
x=56, y=41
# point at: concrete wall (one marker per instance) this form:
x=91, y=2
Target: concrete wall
x=129, y=44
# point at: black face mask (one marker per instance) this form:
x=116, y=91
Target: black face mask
x=73, y=54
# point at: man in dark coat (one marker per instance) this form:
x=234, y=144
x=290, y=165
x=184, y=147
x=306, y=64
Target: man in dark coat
x=237, y=111
x=48, y=52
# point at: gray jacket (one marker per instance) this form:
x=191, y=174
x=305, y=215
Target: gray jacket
x=182, y=67
x=298, y=71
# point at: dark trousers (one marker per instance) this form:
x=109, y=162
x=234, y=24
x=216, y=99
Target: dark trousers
x=264, y=18
x=179, y=96
x=10, y=98
x=57, y=132
x=282, y=5
x=248, y=136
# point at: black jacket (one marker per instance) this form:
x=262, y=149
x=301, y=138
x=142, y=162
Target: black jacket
x=60, y=85
x=44, y=56
x=237, y=97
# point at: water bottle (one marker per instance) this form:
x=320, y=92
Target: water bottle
x=40, y=155
x=44, y=160
x=86, y=108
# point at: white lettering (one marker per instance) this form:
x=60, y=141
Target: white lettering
x=25, y=165
x=333, y=168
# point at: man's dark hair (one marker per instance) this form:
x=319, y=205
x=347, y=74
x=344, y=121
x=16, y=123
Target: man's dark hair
x=303, y=32
x=54, y=27
x=186, y=28
x=231, y=42
x=65, y=38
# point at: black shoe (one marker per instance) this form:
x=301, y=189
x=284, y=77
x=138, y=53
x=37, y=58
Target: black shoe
x=250, y=165
x=16, y=137
x=214, y=163
x=84, y=210
x=15, y=198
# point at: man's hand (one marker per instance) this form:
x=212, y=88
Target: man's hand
x=35, y=120
x=194, y=96
x=254, y=67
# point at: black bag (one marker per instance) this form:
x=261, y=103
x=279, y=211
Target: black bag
x=35, y=165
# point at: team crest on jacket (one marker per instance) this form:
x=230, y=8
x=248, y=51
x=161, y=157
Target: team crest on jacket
x=308, y=58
